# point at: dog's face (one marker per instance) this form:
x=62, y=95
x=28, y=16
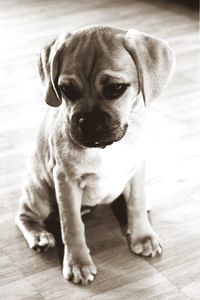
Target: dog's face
x=97, y=73
x=98, y=83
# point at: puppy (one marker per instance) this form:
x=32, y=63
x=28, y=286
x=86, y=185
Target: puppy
x=90, y=148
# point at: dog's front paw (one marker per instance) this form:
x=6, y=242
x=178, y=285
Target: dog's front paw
x=41, y=241
x=145, y=243
x=79, y=272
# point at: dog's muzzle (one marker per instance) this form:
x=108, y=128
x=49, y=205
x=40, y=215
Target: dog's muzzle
x=95, y=129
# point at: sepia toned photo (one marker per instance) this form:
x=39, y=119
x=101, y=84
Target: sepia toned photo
x=99, y=150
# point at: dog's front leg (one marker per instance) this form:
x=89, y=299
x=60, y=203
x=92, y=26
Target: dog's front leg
x=142, y=238
x=77, y=265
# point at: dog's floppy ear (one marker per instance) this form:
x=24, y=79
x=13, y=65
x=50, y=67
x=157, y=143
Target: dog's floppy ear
x=48, y=65
x=154, y=61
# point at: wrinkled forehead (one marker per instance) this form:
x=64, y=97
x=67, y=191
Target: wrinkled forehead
x=92, y=55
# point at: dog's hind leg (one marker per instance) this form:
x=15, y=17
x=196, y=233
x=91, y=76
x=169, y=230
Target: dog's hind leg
x=34, y=208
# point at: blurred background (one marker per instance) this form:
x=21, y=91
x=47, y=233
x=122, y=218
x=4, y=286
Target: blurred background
x=173, y=164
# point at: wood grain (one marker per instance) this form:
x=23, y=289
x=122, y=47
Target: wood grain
x=173, y=178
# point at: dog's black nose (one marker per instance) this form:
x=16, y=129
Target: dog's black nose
x=91, y=121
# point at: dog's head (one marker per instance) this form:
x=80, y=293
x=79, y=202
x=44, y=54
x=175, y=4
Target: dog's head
x=97, y=73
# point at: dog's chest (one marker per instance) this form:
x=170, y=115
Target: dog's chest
x=104, y=174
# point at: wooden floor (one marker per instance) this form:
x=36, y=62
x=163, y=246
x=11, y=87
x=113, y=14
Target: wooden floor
x=173, y=180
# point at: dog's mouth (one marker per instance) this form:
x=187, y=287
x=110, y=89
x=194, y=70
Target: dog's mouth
x=94, y=142
x=92, y=138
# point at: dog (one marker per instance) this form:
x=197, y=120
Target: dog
x=98, y=82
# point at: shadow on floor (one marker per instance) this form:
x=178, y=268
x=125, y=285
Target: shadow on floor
x=53, y=223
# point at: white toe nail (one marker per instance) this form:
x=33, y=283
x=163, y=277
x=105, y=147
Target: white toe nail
x=91, y=277
x=42, y=243
x=93, y=270
x=67, y=273
x=137, y=249
x=147, y=253
x=76, y=280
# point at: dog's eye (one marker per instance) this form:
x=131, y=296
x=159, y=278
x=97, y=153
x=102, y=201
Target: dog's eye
x=70, y=91
x=113, y=91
